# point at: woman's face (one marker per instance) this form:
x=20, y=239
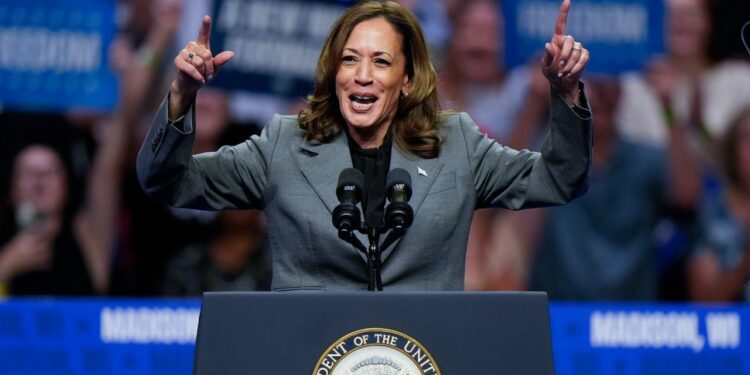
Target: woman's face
x=39, y=179
x=476, y=43
x=371, y=76
x=689, y=27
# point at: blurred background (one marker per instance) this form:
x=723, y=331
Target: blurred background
x=666, y=217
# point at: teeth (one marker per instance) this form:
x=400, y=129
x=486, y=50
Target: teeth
x=364, y=98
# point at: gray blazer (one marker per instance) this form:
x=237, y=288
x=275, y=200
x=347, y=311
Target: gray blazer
x=293, y=180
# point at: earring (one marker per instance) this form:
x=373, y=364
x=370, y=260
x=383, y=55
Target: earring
x=404, y=94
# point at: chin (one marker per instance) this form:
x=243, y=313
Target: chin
x=361, y=122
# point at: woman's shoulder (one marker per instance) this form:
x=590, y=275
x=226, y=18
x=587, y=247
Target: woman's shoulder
x=454, y=119
x=284, y=126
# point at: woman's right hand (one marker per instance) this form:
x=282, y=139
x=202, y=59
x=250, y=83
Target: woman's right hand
x=195, y=67
x=30, y=250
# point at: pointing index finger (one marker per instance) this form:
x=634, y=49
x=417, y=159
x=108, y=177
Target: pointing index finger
x=204, y=35
x=562, y=18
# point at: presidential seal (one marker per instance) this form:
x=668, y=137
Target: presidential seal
x=376, y=351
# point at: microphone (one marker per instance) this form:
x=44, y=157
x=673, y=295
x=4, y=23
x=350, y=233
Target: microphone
x=399, y=214
x=346, y=216
x=27, y=216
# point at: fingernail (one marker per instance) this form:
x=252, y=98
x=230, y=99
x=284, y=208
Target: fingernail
x=559, y=75
x=203, y=81
x=562, y=62
x=210, y=77
x=568, y=75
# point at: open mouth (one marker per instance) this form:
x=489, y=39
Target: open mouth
x=362, y=103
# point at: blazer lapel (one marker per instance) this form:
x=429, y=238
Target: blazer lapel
x=321, y=164
x=423, y=173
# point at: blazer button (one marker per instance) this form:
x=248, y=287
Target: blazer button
x=157, y=139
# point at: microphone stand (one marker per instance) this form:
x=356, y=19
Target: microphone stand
x=375, y=277
x=372, y=253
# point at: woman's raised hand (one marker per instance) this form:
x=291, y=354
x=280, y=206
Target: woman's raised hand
x=564, y=59
x=196, y=66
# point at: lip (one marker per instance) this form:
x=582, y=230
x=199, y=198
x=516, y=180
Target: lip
x=360, y=107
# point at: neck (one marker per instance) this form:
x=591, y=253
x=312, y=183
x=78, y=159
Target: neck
x=693, y=66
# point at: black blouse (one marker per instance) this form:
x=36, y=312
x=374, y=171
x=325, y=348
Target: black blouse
x=374, y=163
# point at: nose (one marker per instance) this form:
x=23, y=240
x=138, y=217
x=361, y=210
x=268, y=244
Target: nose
x=363, y=76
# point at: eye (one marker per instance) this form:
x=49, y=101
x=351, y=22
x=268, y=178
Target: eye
x=382, y=62
x=348, y=59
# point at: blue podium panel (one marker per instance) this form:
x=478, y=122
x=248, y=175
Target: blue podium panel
x=353, y=333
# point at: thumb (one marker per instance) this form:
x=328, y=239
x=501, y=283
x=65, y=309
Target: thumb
x=223, y=58
x=549, y=55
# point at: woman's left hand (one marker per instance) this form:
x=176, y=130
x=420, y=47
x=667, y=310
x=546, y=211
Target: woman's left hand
x=564, y=59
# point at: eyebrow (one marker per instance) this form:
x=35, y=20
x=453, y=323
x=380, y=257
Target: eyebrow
x=377, y=53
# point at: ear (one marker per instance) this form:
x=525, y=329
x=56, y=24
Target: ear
x=408, y=84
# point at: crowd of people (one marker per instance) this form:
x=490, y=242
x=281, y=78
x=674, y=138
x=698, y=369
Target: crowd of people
x=666, y=215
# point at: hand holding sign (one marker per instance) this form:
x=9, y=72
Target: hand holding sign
x=564, y=59
x=195, y=66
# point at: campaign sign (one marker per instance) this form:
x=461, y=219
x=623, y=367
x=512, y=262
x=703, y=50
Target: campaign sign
x=97, y=336
x=276, y=43
x=650, y=339
x=53, y=54
x=620, y=34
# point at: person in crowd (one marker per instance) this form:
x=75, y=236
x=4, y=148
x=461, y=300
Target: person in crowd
x=601, y=247
x=234, y=259
x=474, y=76
x=475, y=79
x=49, y=245
x=375, y=107
x=719, y=268
x=685, y=87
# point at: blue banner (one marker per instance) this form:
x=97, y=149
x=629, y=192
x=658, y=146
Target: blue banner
x=620, y=34
x=276, y=43
x=118, y=336
x=650, y=339
x=98, y=336
x=53, y=54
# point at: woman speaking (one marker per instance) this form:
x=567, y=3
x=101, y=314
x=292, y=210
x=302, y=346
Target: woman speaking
x=374, y=108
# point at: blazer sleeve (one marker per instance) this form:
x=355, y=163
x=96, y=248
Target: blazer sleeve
x=504, y=177
x=234, y=177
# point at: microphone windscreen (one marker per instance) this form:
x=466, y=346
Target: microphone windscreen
x=399, y=177
x=350, y=177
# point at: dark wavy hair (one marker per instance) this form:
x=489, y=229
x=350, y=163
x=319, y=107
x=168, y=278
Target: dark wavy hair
x=414, y=125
